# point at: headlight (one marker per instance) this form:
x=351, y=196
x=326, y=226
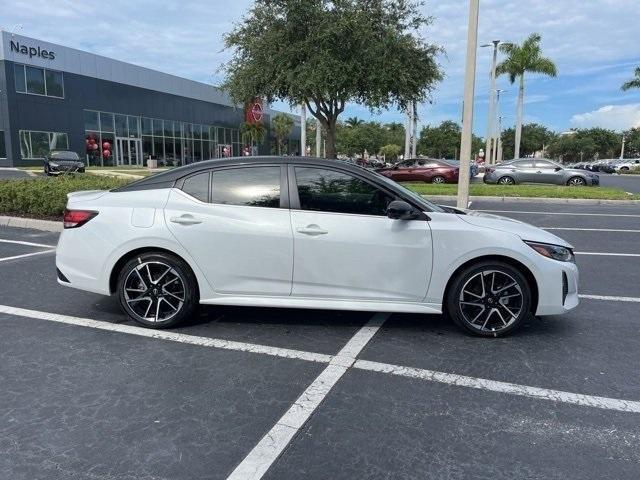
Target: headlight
x=556, y=252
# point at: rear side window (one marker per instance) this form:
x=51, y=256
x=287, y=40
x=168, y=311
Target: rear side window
x=330, y=191
x=248, y=186
x=197, y=186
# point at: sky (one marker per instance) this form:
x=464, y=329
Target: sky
x=595, y=44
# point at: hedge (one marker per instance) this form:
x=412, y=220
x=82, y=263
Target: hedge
x=46, y=197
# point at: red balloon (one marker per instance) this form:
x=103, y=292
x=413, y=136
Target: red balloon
x=106, y=145
x=106, y=153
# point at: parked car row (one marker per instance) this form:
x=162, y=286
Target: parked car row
x=538, y=170
x=607, y=165
x=428, y=170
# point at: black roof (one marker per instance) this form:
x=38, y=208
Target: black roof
x=168, y=178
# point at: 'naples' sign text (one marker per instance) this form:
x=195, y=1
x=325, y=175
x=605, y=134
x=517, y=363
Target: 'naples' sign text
x=32, y=51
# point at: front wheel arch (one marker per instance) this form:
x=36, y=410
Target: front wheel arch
x=115, y=271
x=531, y=279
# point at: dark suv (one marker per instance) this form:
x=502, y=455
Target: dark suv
x=62, y=161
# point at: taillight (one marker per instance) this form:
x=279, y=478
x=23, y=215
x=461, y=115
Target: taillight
x=77, y=218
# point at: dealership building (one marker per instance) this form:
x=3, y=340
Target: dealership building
x=114, y=113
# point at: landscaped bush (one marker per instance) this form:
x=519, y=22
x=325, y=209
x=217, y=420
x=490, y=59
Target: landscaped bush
x=46, y=197
x=633, y=171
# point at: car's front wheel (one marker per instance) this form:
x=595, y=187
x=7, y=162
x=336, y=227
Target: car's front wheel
x=157, y=290
x=489, y=299
x=438, y=179
x=506, y=181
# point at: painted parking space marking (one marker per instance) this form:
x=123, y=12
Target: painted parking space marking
x=609, y=298
x=571, y=229
x=29, y=244
x=564, y=213
x=166, y=335
x=501, y=387
x=25, y=255
x=271, y=446
x=607, y=254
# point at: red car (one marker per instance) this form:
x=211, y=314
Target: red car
x=422, y=170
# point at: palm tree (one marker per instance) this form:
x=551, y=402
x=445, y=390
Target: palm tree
x=635, y=83
x=282, y=126
x=353, y=121
x=520, y=60
x=253, y=132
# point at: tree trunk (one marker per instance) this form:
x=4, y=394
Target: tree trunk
x=520, y=114
x=330, y=128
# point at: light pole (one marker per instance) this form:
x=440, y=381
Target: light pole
x=624, y=140
x=496, y=142
x=414, y=131
x=467, y=114
x=490, y=146
x=408, y=126
x=303, y=131
x=499, y=140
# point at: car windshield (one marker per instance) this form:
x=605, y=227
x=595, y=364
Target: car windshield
x=410, y=193
x=64, y=156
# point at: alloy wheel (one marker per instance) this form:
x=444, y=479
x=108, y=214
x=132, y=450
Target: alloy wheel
x=577, y=182
x=506, y=181
x=437, y=180
x=154, y=291
x=491, y=301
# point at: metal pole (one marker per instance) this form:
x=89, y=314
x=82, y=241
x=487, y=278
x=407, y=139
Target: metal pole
x=407, y=132
x=624, y=140
x=414, y=130
x=467, y=114
x=498, y=135
x=318, y=138
x=490, y=146
x=499, y=140
x=303, y=131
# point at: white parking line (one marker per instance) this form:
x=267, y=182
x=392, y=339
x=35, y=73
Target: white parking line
x=165, y=335
x=569, y=229
x=502, y=387
x=610, y=298
x=564, y=213
x=30, y=244
x=607, y=254
x=15, y=257
x=269, y=448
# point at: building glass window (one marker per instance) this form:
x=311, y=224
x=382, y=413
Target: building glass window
x=158, y=149
x=178, y=151
x=54, y=84
x=35, y=80
x=106, y=149
x=38, y=144
x=121, y=126
x=157, y=127
x=147, y=146
x=147, y=126
x=106, y=122
x=133, y=127
x=168, y=151
x=91, y=120
x=3, y=147
x=168, y=128
x=18, y=73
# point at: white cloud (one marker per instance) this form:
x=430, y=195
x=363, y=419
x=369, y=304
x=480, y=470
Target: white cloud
x=614, y=117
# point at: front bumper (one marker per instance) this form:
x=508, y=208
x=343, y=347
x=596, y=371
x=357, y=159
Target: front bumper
x=66, y=169
x=558, y=290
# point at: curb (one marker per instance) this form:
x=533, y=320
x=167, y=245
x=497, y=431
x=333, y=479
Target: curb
x=33, y=223
x=574, y=201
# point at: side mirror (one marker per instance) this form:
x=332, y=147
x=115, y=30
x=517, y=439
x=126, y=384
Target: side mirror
x=401, y=210
x=558, y=169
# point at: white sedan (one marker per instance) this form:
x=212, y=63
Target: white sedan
x=307, y=233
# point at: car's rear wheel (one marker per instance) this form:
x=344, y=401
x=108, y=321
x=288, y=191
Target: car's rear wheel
x=489, y=299
x=506, y=181
x=157, y=290
x=576, y=182
x=438, y=179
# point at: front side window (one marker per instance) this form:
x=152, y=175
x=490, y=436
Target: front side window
x=544, y=165
x=324, y=190
x=197, y=186
x=522, y=164
x=248, y=186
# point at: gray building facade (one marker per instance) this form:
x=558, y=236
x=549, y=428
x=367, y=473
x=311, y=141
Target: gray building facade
x=110, y=112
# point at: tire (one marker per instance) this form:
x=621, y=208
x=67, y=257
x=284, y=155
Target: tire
x=626, y=169
x=438, y=180
x=494, y=314
x=576, y=182
x=506, y=180
x=153, y=304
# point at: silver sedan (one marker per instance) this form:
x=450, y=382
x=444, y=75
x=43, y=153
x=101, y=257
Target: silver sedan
x=538, y=170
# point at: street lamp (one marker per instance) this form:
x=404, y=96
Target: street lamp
x=498, y=137
x=492, y=114
x=467, y=114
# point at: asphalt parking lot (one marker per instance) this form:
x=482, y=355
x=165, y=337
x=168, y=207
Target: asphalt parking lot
x=289, y=394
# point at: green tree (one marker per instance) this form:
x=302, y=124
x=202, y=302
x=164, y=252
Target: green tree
x=282, y=127
x=535, y=137
x=393, y=134
x=367, y=137
x=520, y=60
x=353, y=122
x=632, y=147
x=325, y=53
x=573, y=147
x=253, y=133
x=390, y=151
x=443, y=141
x=633, y=83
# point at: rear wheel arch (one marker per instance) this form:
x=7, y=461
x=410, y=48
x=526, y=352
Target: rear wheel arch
x=122, y=261
x=531, y=279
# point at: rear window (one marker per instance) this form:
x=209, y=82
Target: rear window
x=64, y=156
x=247, y=186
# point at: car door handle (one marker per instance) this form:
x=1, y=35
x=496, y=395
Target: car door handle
x=185, y=220
x=312, y=230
